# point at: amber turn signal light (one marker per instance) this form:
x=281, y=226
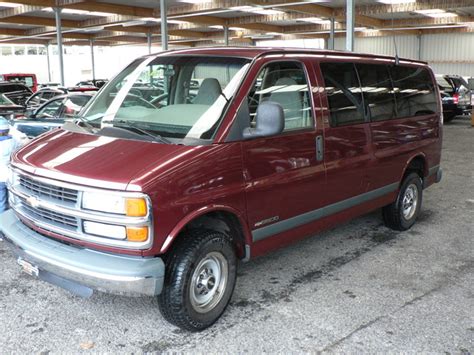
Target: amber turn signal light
x=136, y=207
x=137, y=234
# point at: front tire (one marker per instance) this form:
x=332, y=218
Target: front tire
x=402, y=214
x=199, y=280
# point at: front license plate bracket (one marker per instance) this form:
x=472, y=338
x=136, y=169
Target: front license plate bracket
x=28, y=267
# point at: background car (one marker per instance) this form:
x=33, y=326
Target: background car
x=16, y=92
x=28, y=79
x=455, y=95
x=41, y=97
x=10, y=110
x=84, y=88
x=49, y=85
x=95, y=82
x=53, y=114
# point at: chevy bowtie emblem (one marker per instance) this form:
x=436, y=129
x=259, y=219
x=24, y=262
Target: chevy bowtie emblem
x=33, y=201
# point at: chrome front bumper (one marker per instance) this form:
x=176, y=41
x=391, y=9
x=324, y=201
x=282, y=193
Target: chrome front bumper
x=79, y=269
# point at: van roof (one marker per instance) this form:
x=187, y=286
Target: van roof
x=253, y=52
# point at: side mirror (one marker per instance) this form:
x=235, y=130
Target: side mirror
x=270, y=121
x=471, y=83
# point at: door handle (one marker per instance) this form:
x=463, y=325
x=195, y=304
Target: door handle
x=319, y=148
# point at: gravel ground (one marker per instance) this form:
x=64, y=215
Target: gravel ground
x=357, y=288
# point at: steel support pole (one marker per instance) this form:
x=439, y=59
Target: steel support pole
x=59, y=38
x=164, y=26
x=49, y=63
x=420, y=54
x=148, y=41
x=350, y=25
x=332, y=33
x=91, y=42
x=226, y=36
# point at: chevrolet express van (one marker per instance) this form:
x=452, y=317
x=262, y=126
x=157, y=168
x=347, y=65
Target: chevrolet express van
x=235, y=152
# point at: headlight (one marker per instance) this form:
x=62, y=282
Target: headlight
x=104, y=230
x=132, y=234
x=111, y=203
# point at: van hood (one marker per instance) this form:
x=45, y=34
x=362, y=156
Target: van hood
x=97, y=161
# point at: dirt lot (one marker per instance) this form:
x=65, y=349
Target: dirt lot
x=359, y=287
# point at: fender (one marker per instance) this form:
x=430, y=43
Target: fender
x=200, y=212
x=415, y=155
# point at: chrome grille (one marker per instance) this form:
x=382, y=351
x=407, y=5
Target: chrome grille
x=44, y=215
x=55, y=206
x=41, y=189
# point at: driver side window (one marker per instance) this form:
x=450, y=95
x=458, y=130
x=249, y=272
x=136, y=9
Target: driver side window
x=284, y=83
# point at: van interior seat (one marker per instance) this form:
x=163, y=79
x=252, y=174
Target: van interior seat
x=209, y=92
x=290, y=100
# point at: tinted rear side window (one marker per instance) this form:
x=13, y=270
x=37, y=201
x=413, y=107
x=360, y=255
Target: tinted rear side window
x=414, y=91
x=378, y=92
x=343, y=92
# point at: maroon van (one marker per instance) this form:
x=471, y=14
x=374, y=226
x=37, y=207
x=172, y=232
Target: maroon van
x=188, y=161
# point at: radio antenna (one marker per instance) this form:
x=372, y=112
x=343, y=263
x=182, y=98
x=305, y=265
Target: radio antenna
x=397, y=59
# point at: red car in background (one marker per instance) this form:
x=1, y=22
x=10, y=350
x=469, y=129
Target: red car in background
x=28, y=79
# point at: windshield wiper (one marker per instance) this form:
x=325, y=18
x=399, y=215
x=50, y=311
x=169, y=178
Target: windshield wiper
x=133, y=125
x=86, y=123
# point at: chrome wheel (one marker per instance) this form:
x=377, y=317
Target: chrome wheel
x=208, y=282
x=410, y=201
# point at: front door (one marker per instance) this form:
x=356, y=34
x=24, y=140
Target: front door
x=284, y=176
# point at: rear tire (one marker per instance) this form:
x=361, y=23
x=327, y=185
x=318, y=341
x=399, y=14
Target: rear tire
x=199, y=280
x=402, y=214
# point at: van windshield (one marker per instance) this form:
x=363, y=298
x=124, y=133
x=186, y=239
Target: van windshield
x=174, y=97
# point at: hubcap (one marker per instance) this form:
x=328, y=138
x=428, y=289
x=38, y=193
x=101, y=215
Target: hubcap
x=208, y=282
x=410, y=201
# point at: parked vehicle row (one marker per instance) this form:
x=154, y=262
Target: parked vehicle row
x=161, y=194
x=455, y=95
x=52, y=114
x=42, y=96
x=94, y=82
x=48, y=108
x=47, y=93
x=30, y=81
